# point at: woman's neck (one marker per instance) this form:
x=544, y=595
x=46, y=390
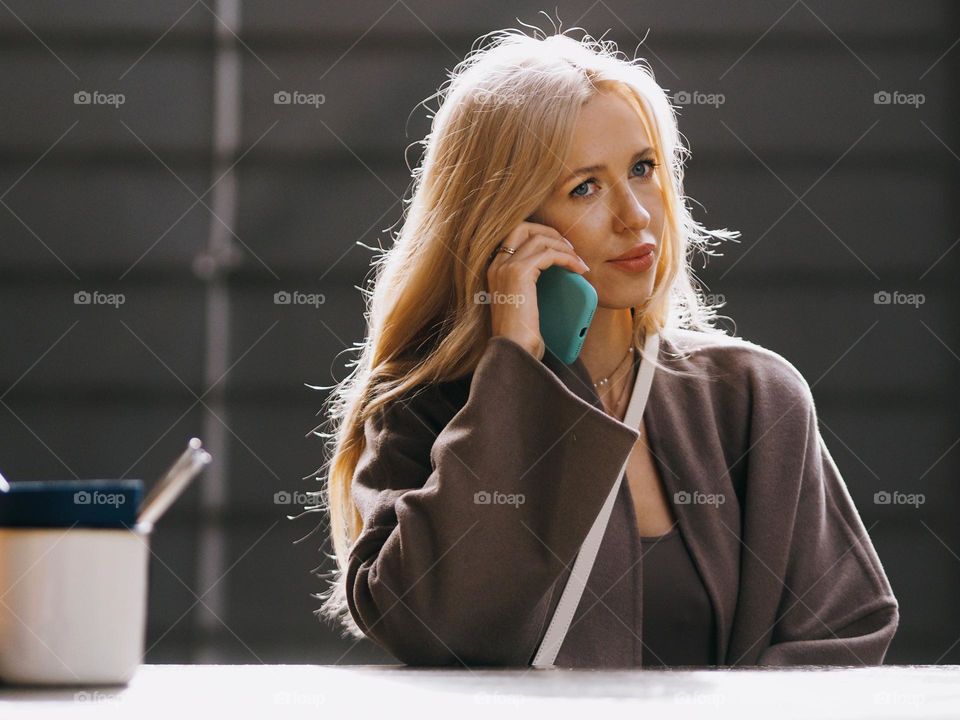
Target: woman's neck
x=608, y=339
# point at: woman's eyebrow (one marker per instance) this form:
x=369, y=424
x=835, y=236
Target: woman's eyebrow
x=598, y=168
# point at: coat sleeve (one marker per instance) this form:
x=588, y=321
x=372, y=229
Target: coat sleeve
x=468, y=528
x=836, y=605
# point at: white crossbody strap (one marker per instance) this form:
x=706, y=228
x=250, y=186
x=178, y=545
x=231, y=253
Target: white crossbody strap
x=577, y=581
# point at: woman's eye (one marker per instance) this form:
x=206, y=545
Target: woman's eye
x=582, y=186
x=648, y=163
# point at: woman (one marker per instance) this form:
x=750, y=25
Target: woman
x=469, y=463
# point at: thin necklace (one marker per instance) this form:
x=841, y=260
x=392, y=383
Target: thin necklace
x=615, y=409
x=604, y=381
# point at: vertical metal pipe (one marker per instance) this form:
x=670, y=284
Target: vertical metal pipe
x=213, y=264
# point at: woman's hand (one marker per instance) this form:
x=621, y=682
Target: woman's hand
x=512, y=281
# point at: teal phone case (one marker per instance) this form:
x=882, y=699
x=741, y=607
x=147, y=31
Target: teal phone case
x=566, y=303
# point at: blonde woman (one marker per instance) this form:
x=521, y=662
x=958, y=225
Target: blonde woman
x=468, y=463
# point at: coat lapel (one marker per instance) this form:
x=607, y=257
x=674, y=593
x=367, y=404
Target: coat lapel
x=575, y=377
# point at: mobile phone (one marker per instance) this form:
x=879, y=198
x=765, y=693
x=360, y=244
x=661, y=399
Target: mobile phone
x=566, y=303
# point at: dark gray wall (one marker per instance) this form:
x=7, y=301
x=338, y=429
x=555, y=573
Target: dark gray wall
x=98, y=198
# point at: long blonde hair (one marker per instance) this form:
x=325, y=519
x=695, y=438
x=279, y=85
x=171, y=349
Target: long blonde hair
x=494, y=151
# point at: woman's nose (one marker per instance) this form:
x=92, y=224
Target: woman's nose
x=629, y=210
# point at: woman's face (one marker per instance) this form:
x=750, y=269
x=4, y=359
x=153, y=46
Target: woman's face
x=611, y=206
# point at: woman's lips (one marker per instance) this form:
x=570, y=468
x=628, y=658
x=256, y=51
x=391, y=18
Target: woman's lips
x=635, y=264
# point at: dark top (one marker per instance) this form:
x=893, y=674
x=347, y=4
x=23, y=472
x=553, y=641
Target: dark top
x=678, y=621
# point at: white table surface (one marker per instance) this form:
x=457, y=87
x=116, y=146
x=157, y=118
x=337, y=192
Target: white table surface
x=345, y=692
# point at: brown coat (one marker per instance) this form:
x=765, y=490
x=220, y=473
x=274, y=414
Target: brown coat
x=438, y=576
